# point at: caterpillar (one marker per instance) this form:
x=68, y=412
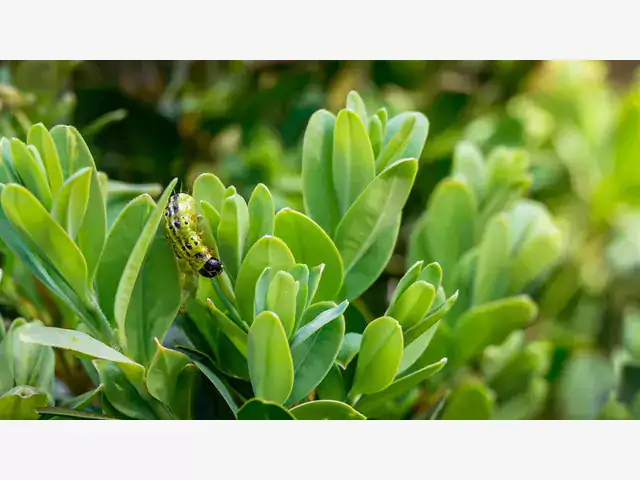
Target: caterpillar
x=181, y=227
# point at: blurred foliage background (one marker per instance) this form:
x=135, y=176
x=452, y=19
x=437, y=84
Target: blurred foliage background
x=147, y=122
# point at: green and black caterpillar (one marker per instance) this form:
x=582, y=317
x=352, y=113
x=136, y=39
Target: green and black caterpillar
x=181, y=226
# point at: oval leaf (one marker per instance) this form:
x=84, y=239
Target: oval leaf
x=310, y=245
x=269, y=357
x=326, y=410
x=267, y=252
x=319, y=196
x=379, y=357
x=353, y=162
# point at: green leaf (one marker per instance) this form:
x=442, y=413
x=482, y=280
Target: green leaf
x=526, y=405
x=538, y=252
x=269, y=357
x=432, y=274
x=135, y=262
x=83, y=344
x=234, y=333
x=383, y=116
x=232, y=233
x=267, y=252
x=374, y=261
x=584, y=386
x=281, y=300
x=491, y=324
x=315, y=276
x=164, y=372
x=321, y=319
x=414, y=350
x=211, y=223
x=207, y=187
x=310, y=245
x=468, y=166
x=262, y=288
x=32, y=173
x=70, y=203
x=405, y=282
x=256, y=409
x=300, y=273
x=349, y=349
x=379, y=357
x=22, y=403
x=320, y=201
x=376, y=135
x=261, y=215
x=369, y=403
x=356, y=105
x=418, y=330
x=470, y=401
x=326, y=410
x=154, y=302
x=123, y=393
x=332, y=387
x=405, y=137
x=8, y=172
x=59, y=413
x=39, y=137
x=491, y=279
x=121, y=240
x=414, y=304
x=447, y=230
x=353, y=162
x=313, y=358
x=32, y=364
x=216, y=379
x=35, y=225
x=74, y=155
x=375, y=210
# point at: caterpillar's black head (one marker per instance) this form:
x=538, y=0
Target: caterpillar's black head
x=211, y=268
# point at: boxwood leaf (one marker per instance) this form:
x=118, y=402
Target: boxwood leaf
x=207, y=187
x=491, y=279
x=414, y=304
x=135, y=262
x=374, y=211
x=353, y=162
x=123, y=235
x=32, y=220
x=70, y=203
x=232, y=233
x=379, y=357
x=267, y=252
x=22, y=403
x=405, y=137
x=310, y=245
x=261, y=215
x=319, y=196
x=31, y=171
x=313, y=358
x=257, y=409
x=368, y=403
x=281, y=299
x=39, y=137
x=491, y=324
x=163, y=373
x=269, y=357
x=470, y=401
x=357, y=106
x=83, y=344
x=326, y=410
